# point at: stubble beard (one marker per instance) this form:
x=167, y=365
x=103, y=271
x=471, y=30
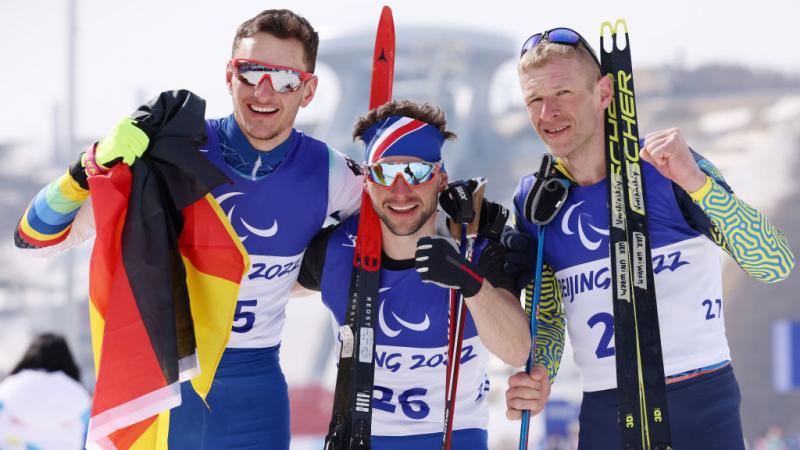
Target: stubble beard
x=415, y=227
x=250, y=129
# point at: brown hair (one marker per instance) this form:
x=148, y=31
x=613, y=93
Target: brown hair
x=283, y=24
x=547, y=51
x=425, y=112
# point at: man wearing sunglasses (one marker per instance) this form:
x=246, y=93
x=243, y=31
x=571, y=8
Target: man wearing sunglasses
x=419, y=262
x=284, y=184
x=691, y=211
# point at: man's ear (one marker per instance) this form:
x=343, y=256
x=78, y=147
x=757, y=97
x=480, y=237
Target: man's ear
x=606, y=89
x=309, y=89
x=229, y=77
x=443, y=181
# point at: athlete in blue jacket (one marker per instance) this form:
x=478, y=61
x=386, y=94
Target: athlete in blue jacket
x=690, y=210
x=284, y=184
x=404, y=178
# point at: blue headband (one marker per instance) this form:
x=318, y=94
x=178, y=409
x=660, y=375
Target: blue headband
x=403, y=136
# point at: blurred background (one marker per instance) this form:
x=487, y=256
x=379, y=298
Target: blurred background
x=728, y=76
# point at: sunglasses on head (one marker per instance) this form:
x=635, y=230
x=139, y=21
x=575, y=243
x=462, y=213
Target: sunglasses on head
x=282, y=79
x=414, y=173
x=566, y=36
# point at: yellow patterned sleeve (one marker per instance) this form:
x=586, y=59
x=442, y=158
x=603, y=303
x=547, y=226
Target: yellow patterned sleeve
x=551, y=322
x=754, y=243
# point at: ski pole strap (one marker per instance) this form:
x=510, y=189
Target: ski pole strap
x=547, y=195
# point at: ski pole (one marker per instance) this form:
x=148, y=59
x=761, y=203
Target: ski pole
x=534, y=309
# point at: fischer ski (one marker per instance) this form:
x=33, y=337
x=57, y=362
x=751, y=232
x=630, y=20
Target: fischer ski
x=641, y=386
x=351, y=421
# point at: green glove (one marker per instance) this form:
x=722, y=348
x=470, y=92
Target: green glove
x=125, y=143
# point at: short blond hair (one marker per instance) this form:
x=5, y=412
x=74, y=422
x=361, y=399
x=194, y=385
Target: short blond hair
x=546, y=51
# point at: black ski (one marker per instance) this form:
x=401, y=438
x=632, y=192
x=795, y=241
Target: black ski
x=641, y=385
x=351, y=420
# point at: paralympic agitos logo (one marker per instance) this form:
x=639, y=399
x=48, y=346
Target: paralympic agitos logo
x=252, y=230
x=420, y=326
x=590, y=236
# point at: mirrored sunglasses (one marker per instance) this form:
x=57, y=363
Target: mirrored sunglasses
x=414, y=173
x=282, y=79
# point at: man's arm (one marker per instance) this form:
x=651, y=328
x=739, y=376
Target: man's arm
x=345, y=185
x=499, y=318
x=49, y=218
x=755, y=244
x=310, y=278
x=59, y=216
x=520, y=264
x=711, y=207
x=501, y=323
x=551, y=324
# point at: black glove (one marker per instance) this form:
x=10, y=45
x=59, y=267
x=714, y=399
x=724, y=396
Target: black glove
x=456, y=200
x=438, y=262
x=493, y=220
x=520, y=257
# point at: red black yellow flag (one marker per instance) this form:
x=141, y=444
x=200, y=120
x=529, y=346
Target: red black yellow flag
x=164, y=276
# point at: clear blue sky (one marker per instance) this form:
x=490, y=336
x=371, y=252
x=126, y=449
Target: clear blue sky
x=133, y=50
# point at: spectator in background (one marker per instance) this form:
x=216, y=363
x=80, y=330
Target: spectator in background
x=42, y=402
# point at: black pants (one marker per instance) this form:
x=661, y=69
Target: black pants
x=703, y=415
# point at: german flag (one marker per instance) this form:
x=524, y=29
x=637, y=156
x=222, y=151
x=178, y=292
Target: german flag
x=164, y=277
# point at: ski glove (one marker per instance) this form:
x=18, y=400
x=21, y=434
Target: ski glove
x=456, y=201
x=438, y=262
x=125, y=143
x=520, y=257
x=493, y=220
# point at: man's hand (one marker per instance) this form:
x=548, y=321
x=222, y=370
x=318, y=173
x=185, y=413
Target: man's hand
x=520, y=262
x=668, y=153
x=527, y=392
x=125, y=143
x=438, y=262
x=493, y=220
x=456, y=200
